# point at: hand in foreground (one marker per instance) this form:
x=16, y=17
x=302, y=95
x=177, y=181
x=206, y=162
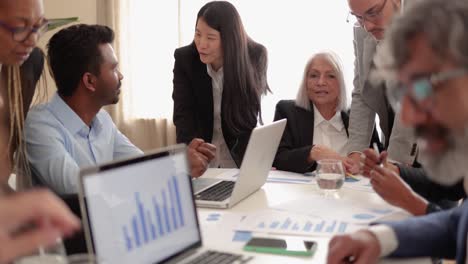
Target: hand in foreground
x=371, y=159
x=395, y=191
x=353, y=163
x=32, y=219
x=361, y=247
x=319, y=152
x=200, y=154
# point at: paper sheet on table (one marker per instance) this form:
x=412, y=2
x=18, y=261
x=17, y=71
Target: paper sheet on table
x=284, y=223
x=330, y=208
x=273, y=176
x=359, y=183
x=289, y=177
x=222, y=223
x=224, y=219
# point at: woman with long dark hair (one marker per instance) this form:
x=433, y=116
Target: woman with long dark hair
x=218, y=83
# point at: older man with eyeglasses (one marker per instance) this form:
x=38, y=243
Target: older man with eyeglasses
x=369, y=19
x=426, y=51
x=408, y=187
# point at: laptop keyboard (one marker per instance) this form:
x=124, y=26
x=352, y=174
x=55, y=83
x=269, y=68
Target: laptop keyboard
x=216, y=257
x=218, y=192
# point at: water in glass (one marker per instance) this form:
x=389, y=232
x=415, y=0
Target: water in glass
x=330, y=175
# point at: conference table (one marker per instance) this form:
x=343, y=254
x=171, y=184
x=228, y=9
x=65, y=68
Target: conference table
x=218, y=226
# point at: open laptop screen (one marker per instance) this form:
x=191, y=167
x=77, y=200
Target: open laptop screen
x=141, y=210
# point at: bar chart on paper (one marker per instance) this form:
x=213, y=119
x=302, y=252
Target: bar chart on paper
x=156, y=219
x=294, y=224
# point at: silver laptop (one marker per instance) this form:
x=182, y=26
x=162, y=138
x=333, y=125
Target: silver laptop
x=141, y=210
x=258, y=158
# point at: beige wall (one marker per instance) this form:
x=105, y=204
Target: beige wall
x=84, y=9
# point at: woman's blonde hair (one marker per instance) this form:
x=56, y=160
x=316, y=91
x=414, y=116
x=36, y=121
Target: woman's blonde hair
x=16, y=117
x=302, y=98
x=16, y=153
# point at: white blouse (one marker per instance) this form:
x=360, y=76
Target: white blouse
x=330, y=133
x=223, y=157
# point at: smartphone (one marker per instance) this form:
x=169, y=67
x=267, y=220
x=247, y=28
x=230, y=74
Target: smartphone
x=292, y=246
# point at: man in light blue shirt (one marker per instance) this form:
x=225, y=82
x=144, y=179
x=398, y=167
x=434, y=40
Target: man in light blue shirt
x=59, y=143
x=72, y=130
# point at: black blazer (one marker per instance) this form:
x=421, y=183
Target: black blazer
x=441, y=196
x=297, y=139
x=31, y=71
x=193, y=102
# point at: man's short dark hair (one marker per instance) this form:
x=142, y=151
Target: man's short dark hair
x=73, y=51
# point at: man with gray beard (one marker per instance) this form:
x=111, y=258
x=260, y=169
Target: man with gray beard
x=426, y=50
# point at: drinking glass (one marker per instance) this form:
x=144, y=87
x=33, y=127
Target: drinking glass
x=330, y=176
x=54, y=254
x=82, y=259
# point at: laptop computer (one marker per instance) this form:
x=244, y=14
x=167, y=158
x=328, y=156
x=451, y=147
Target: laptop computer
x=257, y=161
x=141, y=210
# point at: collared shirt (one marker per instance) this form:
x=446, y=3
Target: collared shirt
x=330, y=133
x=223, y=157
x=59, y=143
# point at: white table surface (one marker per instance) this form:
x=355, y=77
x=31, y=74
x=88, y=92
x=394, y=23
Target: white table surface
x=215, y=236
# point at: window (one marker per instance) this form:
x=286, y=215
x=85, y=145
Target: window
x=291, y=31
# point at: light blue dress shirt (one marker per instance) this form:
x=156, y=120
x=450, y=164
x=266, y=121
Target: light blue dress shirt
x=59, y=143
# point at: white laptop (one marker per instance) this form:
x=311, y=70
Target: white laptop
x=141, y=210
x=258, y=158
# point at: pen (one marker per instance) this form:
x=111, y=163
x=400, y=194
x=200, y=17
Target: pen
x=376, y=149
x=349, y=175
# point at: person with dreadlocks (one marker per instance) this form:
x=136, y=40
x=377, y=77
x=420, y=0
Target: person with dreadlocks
x=21, y=65
x=22, y=23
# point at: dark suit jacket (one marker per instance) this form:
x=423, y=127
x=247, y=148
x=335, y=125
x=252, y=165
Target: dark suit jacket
x=442, y=235
x=31, y=71
x=193, y=102
x=442, y=196
x=297, y=139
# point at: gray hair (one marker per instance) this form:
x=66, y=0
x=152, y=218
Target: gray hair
x=302, y=98
x=443, y=22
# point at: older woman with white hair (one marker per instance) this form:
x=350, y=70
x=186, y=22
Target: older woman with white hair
x=317, y=119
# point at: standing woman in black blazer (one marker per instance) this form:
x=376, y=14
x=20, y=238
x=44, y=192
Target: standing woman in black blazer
x=218, y=83
x=317, y=125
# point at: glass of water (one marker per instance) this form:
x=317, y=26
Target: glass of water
x=330, y=176
x=82, y=259
x=55, y=254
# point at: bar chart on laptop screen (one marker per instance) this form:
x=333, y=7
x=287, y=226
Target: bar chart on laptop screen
x=163, y=216
x=142, y=213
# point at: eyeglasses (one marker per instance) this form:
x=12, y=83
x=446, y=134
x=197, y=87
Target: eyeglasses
x=421, y=89
x=20, y=34
x=372, y=16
